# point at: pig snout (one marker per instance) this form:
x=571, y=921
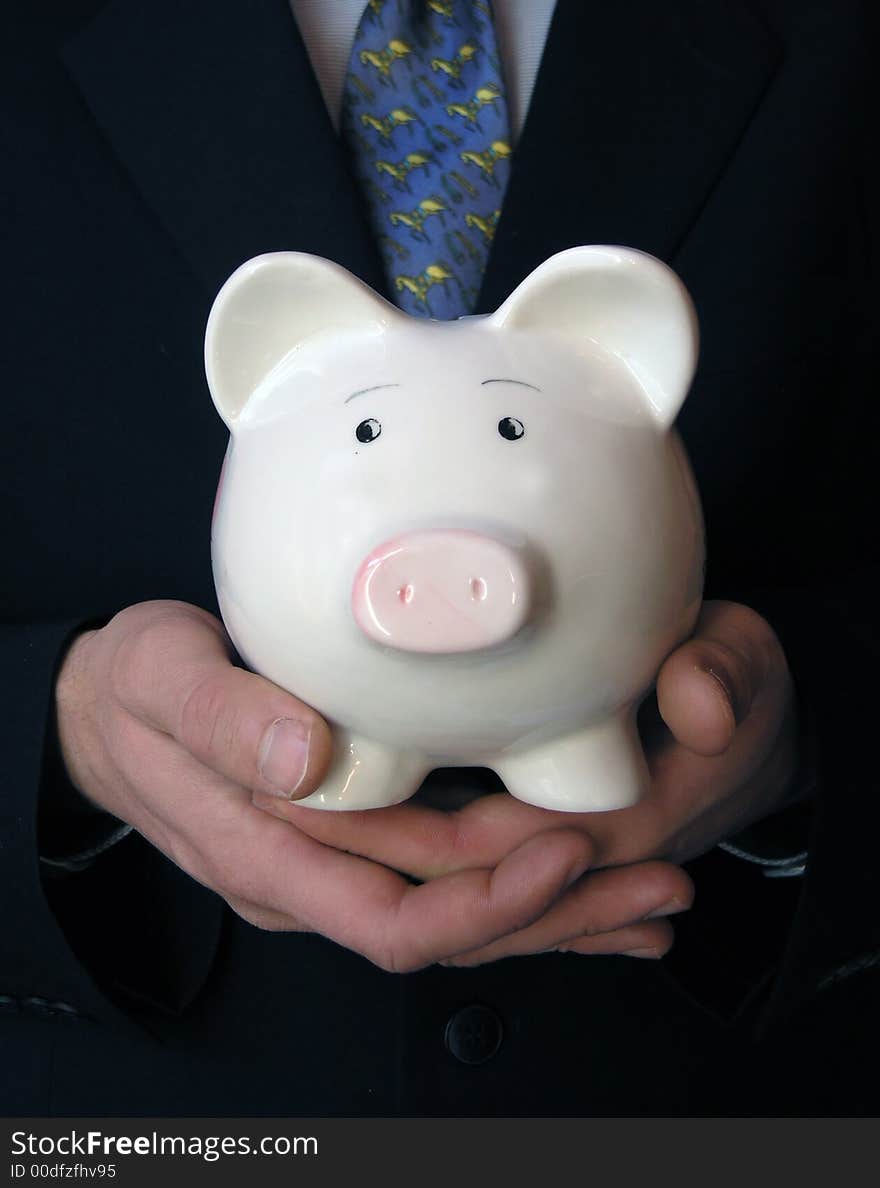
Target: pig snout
x=441, y=592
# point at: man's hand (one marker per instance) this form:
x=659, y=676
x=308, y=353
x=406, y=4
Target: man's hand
x=721, y=755
x=158, y=727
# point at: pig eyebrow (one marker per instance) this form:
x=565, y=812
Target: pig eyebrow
x=522, y=383
x=375, y=388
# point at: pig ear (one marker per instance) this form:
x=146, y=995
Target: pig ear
x=271, y=305
x=627, y=302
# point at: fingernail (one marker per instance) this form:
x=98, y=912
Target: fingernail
x=667, y=909
x=284, y=755
x=648, y=954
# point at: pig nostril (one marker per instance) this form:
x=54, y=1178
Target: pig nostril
x=405, y=594
x=478, y=589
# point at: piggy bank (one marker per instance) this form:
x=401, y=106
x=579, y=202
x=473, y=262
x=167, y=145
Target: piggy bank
x=466, y=543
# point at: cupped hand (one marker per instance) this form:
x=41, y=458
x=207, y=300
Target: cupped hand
x=158, y=727
x=721, y=754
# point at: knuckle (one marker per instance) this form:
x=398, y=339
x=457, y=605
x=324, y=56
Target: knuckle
x=385, y=962
x=393, y=962
x=206, y=725
x=138, y=653
x=392, y=954
x=232, y=882
x=148, y=639
x=76, y=675
x=194, y=862
x=208, y=859
x=454, y=844
x=143, y=617
x=386, y=955
x=265, y=920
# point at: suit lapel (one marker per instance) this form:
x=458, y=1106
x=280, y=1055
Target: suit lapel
x=637, y=108
x=213, y=109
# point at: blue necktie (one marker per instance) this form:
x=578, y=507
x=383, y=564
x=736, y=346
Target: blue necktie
x=425, y=118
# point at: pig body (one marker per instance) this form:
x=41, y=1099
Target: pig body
x=466, y=543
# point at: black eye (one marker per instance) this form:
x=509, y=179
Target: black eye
x=368, y=430
x=510, y=428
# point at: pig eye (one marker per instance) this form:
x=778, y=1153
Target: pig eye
x=368, y=430
x=510, y=428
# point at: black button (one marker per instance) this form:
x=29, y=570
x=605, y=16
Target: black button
x=474, y=1034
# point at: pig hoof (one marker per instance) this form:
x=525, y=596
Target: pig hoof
x=594, y=770
x=366, y=775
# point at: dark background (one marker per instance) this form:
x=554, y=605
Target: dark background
x=148, y=151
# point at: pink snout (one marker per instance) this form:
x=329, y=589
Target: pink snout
x=441, y=592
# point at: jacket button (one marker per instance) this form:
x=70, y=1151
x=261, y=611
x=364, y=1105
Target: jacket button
x=474, y=1034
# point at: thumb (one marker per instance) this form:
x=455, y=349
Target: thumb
x=708, y=686
x=176, y=675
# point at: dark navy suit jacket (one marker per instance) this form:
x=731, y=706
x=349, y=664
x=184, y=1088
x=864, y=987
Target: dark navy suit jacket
x=149, y=150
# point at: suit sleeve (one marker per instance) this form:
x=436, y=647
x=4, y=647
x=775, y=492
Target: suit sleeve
x=36, y=960
x=100, y=942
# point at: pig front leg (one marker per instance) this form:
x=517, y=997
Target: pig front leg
x=598, y=768
x=365, y=774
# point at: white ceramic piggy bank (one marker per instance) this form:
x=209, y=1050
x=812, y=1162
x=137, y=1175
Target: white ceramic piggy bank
x=465, y=543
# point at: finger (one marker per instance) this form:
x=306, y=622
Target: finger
x=175, y=674
x=402, y=927
x=732, y=642
x=224, y=842
x=208, y=826
x=614, y=907
x=425, y=842
x=421, y=841
x=264, y=918
x=650, y=941
x=707, y=687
